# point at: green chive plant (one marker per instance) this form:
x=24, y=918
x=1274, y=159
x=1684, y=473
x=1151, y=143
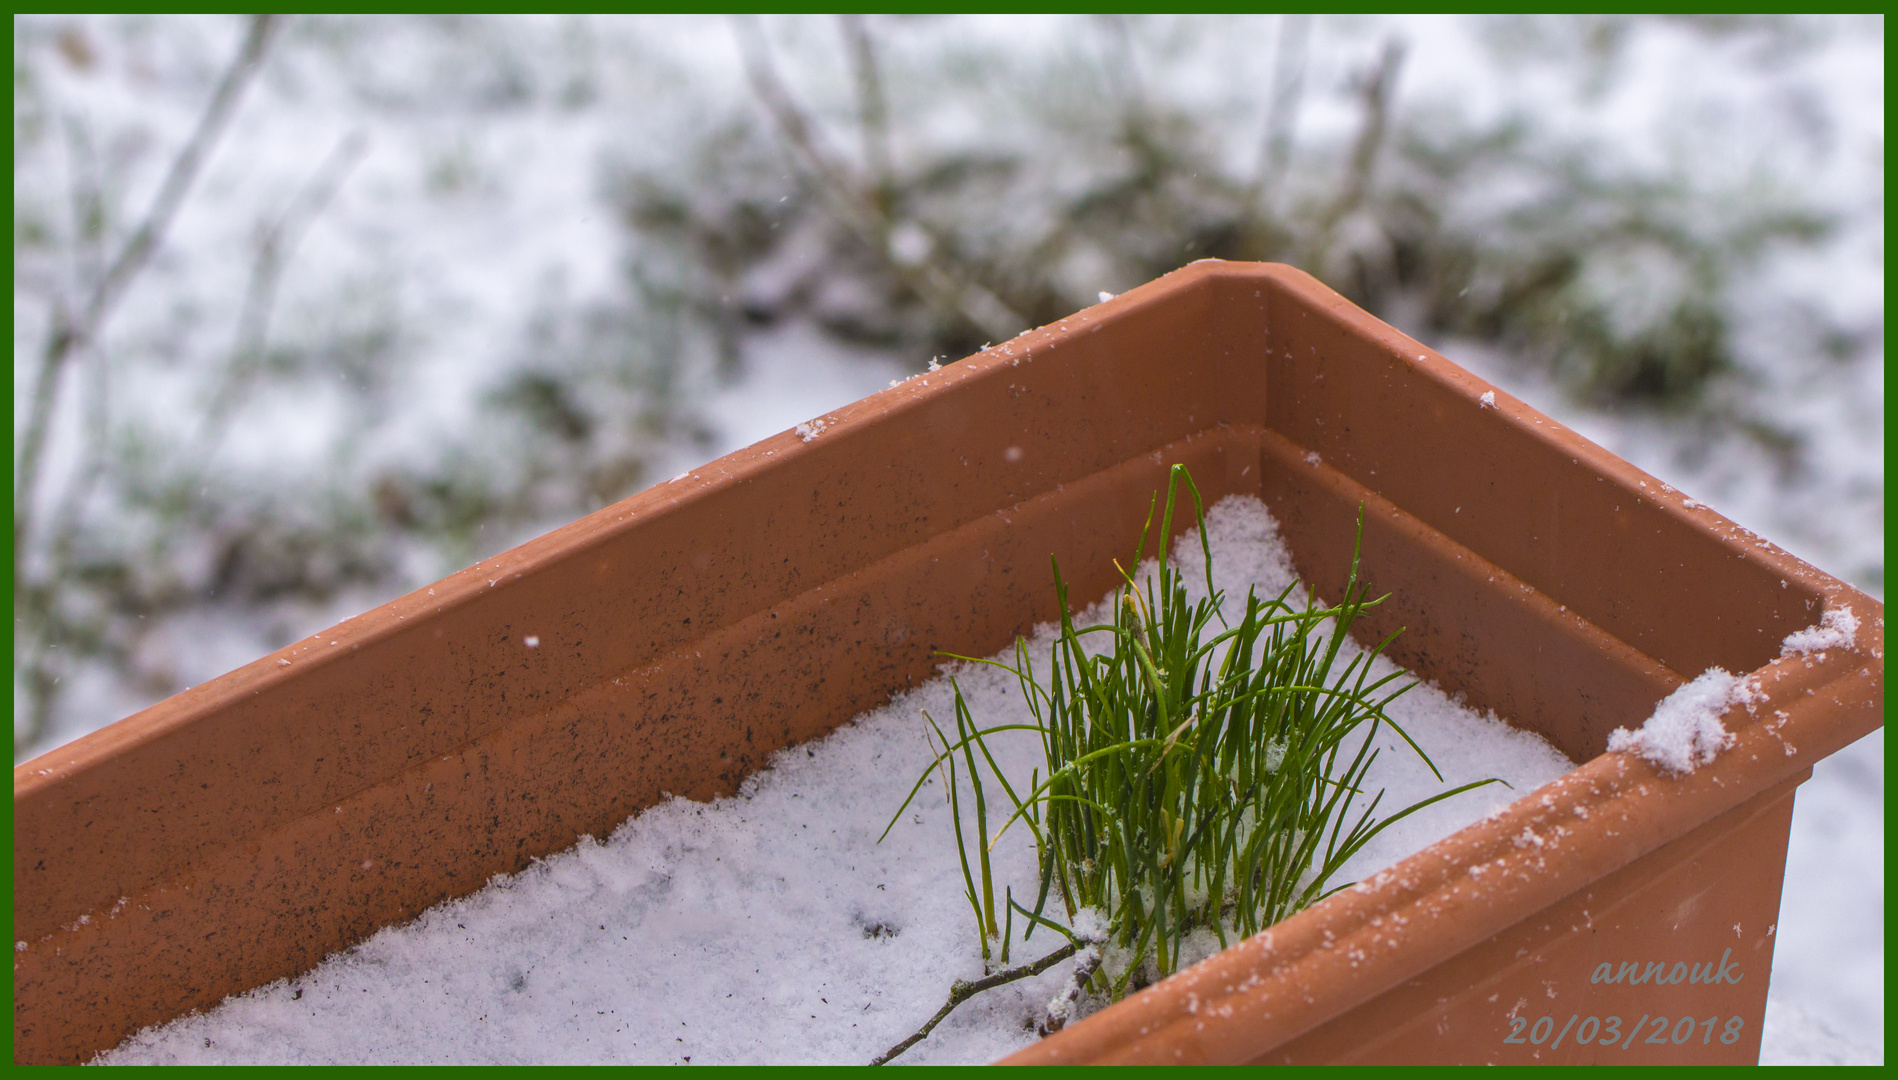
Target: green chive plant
x=1201, y=776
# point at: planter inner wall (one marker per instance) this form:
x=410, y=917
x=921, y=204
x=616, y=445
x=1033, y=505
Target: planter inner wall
x=242, y=830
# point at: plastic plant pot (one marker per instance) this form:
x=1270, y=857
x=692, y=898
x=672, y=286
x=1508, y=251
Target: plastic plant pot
x=244, y=829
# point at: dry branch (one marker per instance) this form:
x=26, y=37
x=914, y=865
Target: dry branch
x=962, y=991
x=71, y=332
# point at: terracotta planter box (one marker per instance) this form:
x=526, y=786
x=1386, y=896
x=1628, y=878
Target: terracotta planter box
x=244, y=829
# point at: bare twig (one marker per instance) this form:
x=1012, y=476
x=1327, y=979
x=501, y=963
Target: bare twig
x=856, y=206
x=1061, y=1009
x=73, y=331
x=962, y=991
x=184, y=169
x=88, y=203
x=1140, y=126
x=88, y=259
x=873, y=111
x=274, y=249
x=1119, y=64
x=1281, y=117
x=1376, y=89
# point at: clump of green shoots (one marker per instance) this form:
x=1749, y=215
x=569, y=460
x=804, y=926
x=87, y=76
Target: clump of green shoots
x=1200, y=776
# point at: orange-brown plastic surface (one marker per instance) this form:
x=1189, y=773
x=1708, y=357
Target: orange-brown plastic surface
x=242, y=830
x=1697, y=906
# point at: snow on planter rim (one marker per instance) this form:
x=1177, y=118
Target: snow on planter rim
x=769, y=926
x=1685, y=731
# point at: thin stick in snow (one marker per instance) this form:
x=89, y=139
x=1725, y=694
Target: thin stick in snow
x=962, y=991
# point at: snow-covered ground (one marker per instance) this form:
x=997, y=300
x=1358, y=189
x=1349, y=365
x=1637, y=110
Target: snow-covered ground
x=474, y=210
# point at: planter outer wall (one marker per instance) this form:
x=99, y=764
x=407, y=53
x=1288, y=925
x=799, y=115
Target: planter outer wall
x=239, y=832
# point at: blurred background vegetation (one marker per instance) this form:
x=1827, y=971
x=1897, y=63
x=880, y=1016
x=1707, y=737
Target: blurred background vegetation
x=309, y=312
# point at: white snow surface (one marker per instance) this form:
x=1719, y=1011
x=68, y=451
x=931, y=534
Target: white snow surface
x=1685, y=731
x=1793, y=1036
x=1836, y=629
x=771, y=926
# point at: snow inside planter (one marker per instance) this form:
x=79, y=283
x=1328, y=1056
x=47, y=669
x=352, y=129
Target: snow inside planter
x=771, y=926
x=240, y=832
